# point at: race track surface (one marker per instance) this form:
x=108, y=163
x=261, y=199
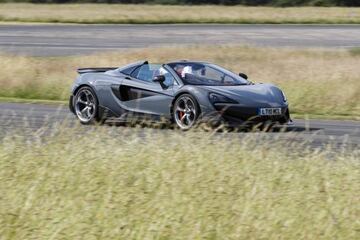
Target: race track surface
x=58, y=40
x=26, y=119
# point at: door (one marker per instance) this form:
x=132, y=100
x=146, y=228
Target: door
x=138, y=92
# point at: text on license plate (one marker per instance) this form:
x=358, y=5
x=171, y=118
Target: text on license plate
x=269, y=111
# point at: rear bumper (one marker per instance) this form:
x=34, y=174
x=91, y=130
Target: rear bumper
x=234, y=115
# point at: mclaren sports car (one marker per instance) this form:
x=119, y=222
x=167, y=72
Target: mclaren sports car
x=184, y=93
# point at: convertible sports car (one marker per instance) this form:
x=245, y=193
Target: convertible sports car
x=181, y=92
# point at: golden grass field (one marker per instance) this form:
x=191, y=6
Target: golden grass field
x=118, y=13
x=110, y=183
x=321, y=82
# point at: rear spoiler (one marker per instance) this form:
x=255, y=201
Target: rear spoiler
x=94, y=70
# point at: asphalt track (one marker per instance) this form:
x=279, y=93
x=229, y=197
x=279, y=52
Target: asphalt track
x=58, y=40
x=28, y=119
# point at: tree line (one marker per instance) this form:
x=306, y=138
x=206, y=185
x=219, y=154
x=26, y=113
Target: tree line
x=277, y=3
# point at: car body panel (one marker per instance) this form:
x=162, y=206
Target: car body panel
x=120, y=94
x=144, y=97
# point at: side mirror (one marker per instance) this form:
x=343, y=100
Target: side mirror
x=160, y=79
x=243, y=75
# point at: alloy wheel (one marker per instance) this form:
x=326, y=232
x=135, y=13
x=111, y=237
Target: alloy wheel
x=85, y=105
x=185, y=112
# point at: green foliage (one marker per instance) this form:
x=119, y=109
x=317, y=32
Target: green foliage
x=355, y=51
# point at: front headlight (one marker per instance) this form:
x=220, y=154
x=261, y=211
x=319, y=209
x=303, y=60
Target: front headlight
x=284, y=96
x=218, y=98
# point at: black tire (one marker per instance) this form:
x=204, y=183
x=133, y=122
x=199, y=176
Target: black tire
x=86, y=106
x=185, y=112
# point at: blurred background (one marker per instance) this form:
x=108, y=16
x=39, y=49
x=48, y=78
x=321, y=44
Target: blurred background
x=62, y=180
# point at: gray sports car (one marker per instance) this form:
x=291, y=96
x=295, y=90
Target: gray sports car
x=181, y=92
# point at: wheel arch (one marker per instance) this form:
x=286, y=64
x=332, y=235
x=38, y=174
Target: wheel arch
x=83, y=85
x=86, y=85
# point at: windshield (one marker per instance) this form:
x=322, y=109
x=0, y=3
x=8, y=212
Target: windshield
x=195, y=73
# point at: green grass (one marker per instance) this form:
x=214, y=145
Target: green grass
x=34, y=101
x=355, y=51
x=109, y=183
x=161, y=14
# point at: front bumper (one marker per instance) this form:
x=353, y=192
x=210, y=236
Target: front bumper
x=235, y=115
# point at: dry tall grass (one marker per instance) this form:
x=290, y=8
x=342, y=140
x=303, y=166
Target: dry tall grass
x=102, y=185
x=102, y=13
x=316, y=81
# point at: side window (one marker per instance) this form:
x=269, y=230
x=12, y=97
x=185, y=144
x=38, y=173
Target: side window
x=135, y=72
x=128, y=70
x=145, y=73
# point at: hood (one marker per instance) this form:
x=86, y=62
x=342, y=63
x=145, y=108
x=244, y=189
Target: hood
x=266, y=95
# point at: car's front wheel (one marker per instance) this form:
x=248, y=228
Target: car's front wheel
x=185, y=111
x=86, y=105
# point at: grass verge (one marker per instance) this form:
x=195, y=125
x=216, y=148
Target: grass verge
x=160, y=14
x=317, y=82
x=98, y=185
x=35, y=101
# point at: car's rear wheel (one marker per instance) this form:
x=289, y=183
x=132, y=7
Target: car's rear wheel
x=185, y=111
x=86, y=105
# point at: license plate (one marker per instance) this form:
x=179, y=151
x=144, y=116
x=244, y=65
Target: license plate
x=269, y=111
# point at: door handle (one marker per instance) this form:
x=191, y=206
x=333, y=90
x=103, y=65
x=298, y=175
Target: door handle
x=127, y=78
